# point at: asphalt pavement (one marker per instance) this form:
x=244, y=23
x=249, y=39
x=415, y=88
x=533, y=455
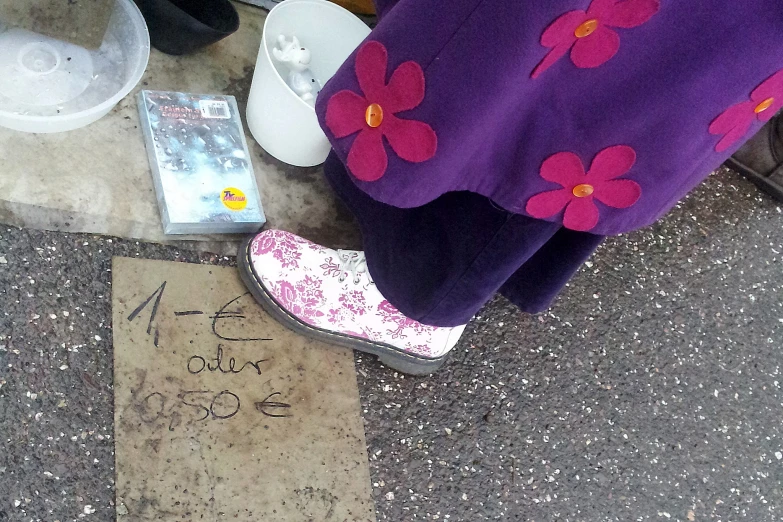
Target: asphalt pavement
x=649, y=391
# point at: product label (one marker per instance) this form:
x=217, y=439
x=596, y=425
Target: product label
x=214, y=109
x=233, y=198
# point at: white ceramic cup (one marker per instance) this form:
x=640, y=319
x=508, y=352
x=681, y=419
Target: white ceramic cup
x=280, y=121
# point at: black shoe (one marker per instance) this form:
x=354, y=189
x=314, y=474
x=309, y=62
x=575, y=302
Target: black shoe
x=761, y=158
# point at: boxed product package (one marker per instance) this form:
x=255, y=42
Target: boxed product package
x=200, y=163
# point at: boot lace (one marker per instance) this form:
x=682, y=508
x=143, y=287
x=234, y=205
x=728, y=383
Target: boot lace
x=353, y=264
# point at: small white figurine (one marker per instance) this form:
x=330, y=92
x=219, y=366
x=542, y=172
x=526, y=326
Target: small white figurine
x=297, y=59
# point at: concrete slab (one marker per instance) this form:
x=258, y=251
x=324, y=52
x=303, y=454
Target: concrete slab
x=80, y=22
x=97, y=179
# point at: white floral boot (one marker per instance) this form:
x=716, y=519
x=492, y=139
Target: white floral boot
x=329, y=295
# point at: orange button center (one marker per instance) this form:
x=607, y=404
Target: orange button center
x=763, y=106
x=586, y=29
x=374, y=115
x=582, y=191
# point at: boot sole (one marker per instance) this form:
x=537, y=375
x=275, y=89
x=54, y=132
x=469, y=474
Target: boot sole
x=763, y=182
x=387, y=354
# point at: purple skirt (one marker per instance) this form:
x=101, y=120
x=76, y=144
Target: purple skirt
x=441, y=262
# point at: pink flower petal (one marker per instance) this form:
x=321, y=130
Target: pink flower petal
x=371, y=64
x=411, y=140
x=581, y=214
x=560, y=37
x=601, y=8
x=772, y=87
x=561, y=31
x=547, y=204
x=617, y=193
x=631, y=13
x=596, y=49
x=552, y=56
x=736, y=115
x=610, y=163
x=405, y=90
x=367, y=158
x=733, y=136
x=564, y=168
x=733, y=124
x=345, y=113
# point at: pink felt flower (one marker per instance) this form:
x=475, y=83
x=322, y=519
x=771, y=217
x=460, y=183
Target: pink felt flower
x=373, y=115
x=764, y=102
x=589, y=34
x=580, y=190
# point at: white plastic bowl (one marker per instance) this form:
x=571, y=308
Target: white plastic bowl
x=47, y=85
x=280, y=121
